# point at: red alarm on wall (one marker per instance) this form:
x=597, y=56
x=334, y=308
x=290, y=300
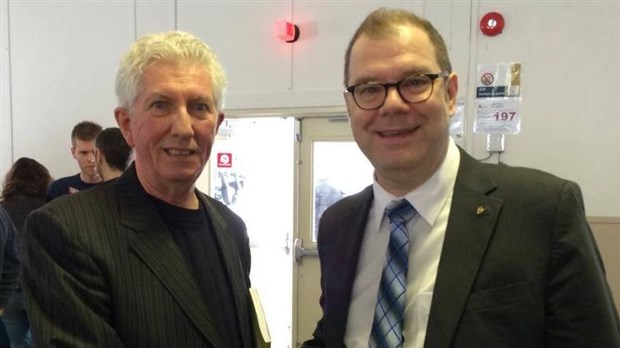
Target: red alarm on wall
x=492, y=24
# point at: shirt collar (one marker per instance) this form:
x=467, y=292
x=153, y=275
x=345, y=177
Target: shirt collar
x=428, y=198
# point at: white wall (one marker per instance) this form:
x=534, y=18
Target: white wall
x=571, y=79
x=6, y=146
x=63, y=57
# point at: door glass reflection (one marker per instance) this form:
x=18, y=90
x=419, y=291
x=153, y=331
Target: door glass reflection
x=339, y=170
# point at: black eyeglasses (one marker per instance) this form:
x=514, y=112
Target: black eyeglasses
x=413, y=89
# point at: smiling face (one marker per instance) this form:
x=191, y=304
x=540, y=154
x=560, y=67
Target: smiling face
x=171, y=125
x=405, y=142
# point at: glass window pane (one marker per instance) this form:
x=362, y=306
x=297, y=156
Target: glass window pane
x=339, y=170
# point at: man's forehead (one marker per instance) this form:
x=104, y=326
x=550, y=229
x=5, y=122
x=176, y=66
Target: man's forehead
x=80, y=144
x=199, y=94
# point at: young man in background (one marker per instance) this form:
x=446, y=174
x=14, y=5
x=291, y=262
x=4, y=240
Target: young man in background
x=83, y=150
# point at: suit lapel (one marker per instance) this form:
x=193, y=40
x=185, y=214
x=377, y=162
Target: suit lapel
x=155, y=246
x=341, y=263
x=234, y=268
x=473, y=215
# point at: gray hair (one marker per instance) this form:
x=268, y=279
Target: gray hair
x=168, y=47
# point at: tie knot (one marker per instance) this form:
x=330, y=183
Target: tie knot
x=399, y=211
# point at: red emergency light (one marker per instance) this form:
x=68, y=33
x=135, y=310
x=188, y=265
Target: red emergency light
x=287, y=31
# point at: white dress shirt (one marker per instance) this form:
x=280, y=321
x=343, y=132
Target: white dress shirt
x=427, y=229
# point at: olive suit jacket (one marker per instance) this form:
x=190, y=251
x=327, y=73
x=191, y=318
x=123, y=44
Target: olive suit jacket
x=101, y=269
x=519, y=266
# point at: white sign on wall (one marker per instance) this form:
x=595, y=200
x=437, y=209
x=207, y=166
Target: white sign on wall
x=498, y=99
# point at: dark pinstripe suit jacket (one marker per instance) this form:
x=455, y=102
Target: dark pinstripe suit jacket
x=525, y=272
x=102, y=270
x=9, y=265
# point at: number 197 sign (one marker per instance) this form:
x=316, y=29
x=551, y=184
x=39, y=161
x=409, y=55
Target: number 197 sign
x=498, y=99
x=498, y=116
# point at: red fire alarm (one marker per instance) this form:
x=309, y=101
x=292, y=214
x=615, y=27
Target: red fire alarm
x=492, y=24
x=287, y=31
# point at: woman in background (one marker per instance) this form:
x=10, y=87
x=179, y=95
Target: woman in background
x=23, y=191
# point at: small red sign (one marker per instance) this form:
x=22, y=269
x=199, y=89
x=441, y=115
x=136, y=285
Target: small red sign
x=487, y=79
x=224, y=160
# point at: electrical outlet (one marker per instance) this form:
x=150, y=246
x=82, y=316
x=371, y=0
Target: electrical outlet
x=495, y=142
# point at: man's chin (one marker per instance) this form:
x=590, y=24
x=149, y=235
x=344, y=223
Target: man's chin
x=91, y=173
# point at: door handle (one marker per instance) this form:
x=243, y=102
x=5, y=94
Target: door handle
x=299, y=251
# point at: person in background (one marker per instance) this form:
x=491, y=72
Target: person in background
x=22, y=192
x=112, y=153
x=9, y=264
x=479, y=255
x=151, y=261
x=83, y=150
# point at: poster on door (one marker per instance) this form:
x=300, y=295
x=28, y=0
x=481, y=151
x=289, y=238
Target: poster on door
x=228, y=182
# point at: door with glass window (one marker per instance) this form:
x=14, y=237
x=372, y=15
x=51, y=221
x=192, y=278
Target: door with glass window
x=279, y=174
x=251, y=170
x=330, y=167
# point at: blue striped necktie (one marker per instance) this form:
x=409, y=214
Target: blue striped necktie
x=387, y=327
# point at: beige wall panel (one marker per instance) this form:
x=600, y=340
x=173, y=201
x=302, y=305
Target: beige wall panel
x=607, y=234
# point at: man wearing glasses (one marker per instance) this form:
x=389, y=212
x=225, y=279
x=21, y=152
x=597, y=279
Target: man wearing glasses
x=443, y=251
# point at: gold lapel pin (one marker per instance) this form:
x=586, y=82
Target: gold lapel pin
x=480, y=210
